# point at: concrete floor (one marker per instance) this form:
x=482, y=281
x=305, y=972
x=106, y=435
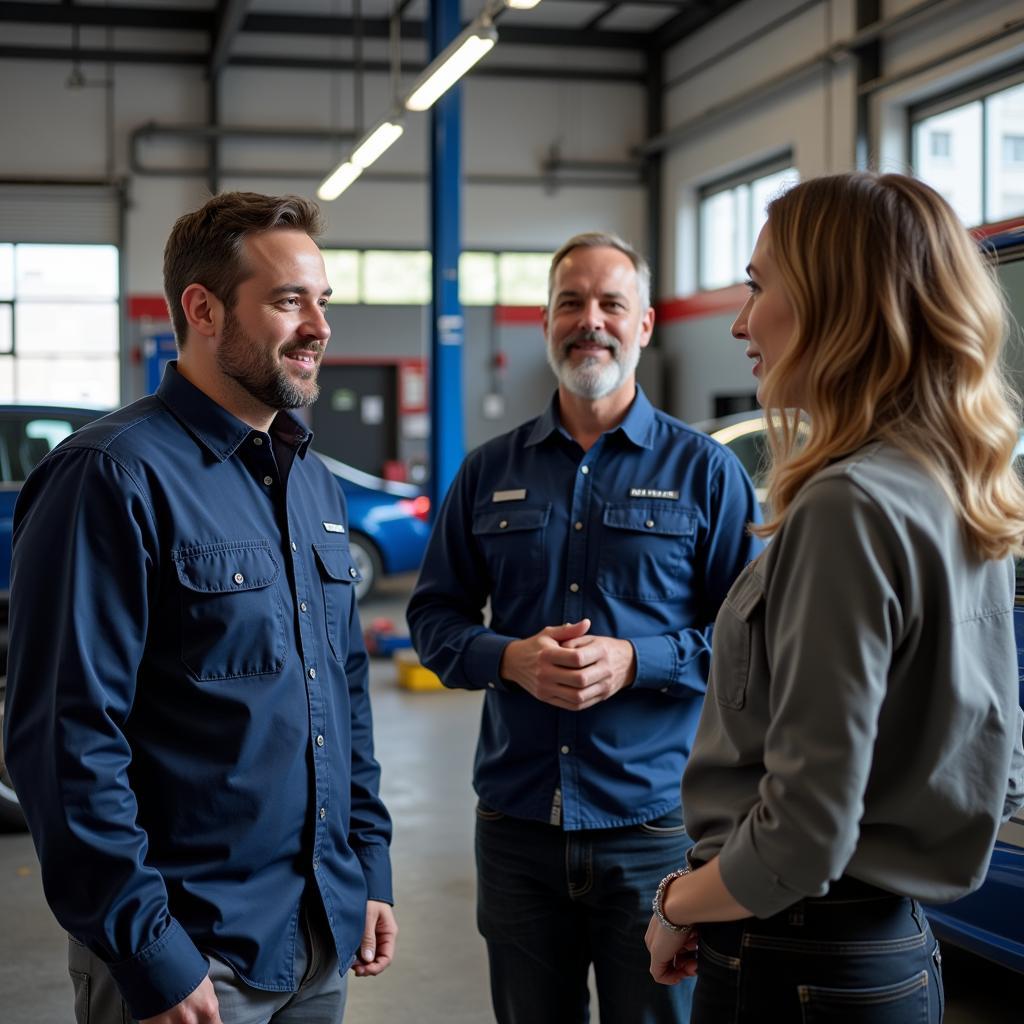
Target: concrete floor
x=425, y=744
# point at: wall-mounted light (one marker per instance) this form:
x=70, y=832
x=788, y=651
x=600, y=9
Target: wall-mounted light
x=521, y=5
x=451, y=64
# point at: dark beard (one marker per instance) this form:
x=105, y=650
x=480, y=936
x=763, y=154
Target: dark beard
x=255, y=370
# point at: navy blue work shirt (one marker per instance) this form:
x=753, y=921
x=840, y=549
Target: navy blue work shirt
x=188, y=721
x=643, y=534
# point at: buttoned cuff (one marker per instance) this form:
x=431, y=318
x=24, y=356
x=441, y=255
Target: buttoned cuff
x=750, y=881
x=375, y=861
x=482, y=661
x=656, y=667
x=161, y=975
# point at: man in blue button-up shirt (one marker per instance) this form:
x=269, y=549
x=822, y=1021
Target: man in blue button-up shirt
x=605, y=534
x=188, y=720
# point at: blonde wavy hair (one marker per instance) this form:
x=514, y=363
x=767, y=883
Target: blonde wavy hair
x=899, y=329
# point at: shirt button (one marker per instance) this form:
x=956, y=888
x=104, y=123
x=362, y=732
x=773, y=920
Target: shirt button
x=316, y=865
x=491, y=685
x=268, y=480
x=353, y=573
x=565, y=750
x=649, y=523
x=319, y=741
x=578, y=526
x=295, y=546
x=574, y=587
x=302, y=606
x=323, y=813
x=238, y=578
x=312, y=673
x=503, y=524
x=257, y=441
x=584, y=470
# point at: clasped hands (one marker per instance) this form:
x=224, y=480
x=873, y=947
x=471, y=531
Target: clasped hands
x=569, y=667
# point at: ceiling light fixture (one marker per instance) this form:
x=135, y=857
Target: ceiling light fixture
x=376, y=142
x=338, y=181
x=451, y=64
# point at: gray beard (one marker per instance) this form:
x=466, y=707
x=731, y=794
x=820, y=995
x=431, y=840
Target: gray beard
x=592, y=378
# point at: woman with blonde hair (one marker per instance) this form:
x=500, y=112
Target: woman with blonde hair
x=861, y=738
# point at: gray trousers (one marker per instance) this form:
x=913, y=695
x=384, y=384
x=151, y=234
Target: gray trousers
x=320, y=998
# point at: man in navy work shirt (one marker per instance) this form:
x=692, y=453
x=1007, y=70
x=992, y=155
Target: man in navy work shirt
x=605, y=535
x=188, y=719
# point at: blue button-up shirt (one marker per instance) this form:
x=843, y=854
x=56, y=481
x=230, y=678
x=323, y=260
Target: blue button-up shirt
x=643, y=534
x=188, y=721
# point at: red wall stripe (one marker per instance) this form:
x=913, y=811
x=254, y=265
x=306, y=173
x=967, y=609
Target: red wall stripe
x=152, y=306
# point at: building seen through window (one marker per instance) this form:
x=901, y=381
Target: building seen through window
x=972, y=151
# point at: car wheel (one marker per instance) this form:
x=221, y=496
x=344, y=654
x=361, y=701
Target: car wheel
x=11, y=817
x=368, y=562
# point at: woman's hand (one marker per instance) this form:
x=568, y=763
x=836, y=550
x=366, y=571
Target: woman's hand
x=673, y=954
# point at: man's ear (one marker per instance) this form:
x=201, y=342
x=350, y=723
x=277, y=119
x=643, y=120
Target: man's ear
x=646, y=327
x=203, y=310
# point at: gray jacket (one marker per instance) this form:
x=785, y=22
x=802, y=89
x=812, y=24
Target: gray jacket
x=862, y=712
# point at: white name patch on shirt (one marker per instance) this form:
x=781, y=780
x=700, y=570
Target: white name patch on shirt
x=650, y=492
x=333, y=527
x=516, y=495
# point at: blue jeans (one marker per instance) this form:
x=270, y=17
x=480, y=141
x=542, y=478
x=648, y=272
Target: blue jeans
x=550, y=903
x=858, y=955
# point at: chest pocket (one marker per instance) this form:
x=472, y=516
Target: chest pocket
x=232, y=617
x=734, y=636
x=646, y=551
x=338, y=574
x=512, y=542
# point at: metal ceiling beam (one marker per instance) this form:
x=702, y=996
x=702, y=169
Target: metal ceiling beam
x=108, y=17
x=296, y=24
x=230, y=17
x=694, y=16
x=601, y=15
x=198, y=58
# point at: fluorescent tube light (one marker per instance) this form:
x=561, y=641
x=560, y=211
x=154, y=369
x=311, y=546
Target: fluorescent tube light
x=338, y=181
x=450, y=65
x=521, y=5
x=377, y=142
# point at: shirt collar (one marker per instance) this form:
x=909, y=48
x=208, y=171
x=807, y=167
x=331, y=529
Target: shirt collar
x=638, y=424
x=213, y=426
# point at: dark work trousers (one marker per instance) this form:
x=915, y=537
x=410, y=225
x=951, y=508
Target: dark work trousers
x=551, y=902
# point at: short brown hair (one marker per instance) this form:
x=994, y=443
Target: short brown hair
x=205, y=246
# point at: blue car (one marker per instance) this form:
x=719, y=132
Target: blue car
x=388, y=523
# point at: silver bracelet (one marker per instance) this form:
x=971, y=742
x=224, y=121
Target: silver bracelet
x=658, y=903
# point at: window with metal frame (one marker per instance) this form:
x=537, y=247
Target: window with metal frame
x=731, y=215
x=969, y=146
x=59, y=324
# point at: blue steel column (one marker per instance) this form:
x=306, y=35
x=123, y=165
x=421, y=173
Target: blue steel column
x=446, y=434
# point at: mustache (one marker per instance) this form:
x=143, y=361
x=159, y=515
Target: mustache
x=590, y=338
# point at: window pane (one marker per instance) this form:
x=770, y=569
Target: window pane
x=396, y=278
x=764, y=190
x=66, y=271
x=523, y=278
x=6, y=379
x=957, y=176
x=66, y=328
x=6, y=326
x=718, y=249
x=1005, y=193
x=57, y=380
x=342, y=274
x=478, y=279
x=6, y=271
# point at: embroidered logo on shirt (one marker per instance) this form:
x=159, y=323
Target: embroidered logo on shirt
x=333, y=527
x=650, y=492
x=517, y=495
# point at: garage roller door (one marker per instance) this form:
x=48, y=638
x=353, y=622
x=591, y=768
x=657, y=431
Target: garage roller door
x=59, y=213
